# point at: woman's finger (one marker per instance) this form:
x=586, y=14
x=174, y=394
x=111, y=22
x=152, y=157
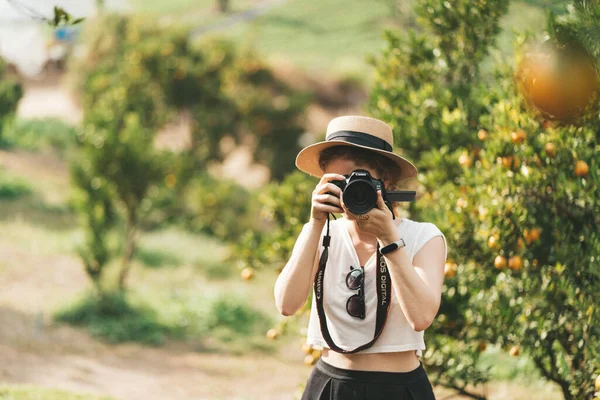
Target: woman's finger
x=327, y=208
x=380, y=203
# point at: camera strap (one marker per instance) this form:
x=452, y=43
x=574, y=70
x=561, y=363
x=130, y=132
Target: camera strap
x=384, y=298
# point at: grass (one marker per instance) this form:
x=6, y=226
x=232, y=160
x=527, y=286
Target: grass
x=23, y=392
x=13, y=187
x=216, y=321
x=40, y=134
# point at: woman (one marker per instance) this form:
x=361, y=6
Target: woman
x=371, y=346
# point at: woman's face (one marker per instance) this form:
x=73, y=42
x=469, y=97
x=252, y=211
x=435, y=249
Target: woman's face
x=345, y=167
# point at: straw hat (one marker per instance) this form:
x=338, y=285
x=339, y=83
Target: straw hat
x=367, y=133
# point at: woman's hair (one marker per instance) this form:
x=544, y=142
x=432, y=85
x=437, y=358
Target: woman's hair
x=386, y=168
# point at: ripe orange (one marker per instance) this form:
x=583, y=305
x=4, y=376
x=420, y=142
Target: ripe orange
x=482, y=134
x=597, y=383
x=518, y=136
x=272, y=334
x=450, y=269
x=520, y=243
x=500, y=262
x=247, y=273
x=534, y=235
x=558, y=82
x=581, y=168
x=493, y=242
x=515, y=351
x=515, y=263
x=550, y=149
x=309, y=360
x=306, y=348
x=465, y=160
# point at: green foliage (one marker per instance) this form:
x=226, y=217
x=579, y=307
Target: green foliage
x=117, y=318
x=113, y=318
x=218, y=207
x=13, y=188
x=284, y=209
x=10, y=93
x=155, y=258
x=40, y=134
x=430, y=90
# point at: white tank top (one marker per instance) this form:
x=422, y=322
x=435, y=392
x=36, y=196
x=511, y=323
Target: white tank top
x=349, y=332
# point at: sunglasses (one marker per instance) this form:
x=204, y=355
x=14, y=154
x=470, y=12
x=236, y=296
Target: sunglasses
x=355, y=306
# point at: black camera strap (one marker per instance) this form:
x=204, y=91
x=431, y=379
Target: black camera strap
x=384, y=298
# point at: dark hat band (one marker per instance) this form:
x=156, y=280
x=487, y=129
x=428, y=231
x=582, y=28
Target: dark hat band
x=361, y=139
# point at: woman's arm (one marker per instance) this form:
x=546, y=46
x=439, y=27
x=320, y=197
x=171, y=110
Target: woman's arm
x=294, y=283
x=419, y=286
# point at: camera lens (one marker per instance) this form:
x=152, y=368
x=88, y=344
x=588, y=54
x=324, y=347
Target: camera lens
x=360, y=197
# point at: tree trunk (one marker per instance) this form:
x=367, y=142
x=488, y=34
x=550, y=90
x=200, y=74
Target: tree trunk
x=128, y=249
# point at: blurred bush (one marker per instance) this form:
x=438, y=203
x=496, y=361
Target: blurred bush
x=114, y=319
x=118, y=317
x=12, y=187
x=10, y=94
x=40, y=134
x=134, y=76
x=283, y=210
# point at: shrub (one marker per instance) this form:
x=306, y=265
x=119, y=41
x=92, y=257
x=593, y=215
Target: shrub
x=40, y=134
x=12, y=187
x=113, y=318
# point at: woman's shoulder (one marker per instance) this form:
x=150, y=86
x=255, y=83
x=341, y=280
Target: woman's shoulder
x=418, y=226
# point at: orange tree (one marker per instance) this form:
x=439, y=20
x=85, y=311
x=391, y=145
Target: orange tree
x=516, y=195
x=135, y=76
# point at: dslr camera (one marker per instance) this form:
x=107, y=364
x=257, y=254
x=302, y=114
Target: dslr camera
x=359, y=192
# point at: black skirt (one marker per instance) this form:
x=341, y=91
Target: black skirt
x=327, y=382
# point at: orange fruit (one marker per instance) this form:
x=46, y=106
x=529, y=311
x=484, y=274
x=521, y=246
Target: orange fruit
x=450, y=269
x=306, y=348
x=515, y=263
x=272, y=334
x=581, y=168
x=309, y=360
x=482, y=346
x=482, y=134
x=534, y=235
x=465, y=160
x=558, y=82
x=597, y=383
x=518, y=136
x=493, y=242
x=550, y=149
x=515, y=351
x=500, y=262
x=247, y=273
x=520, y=243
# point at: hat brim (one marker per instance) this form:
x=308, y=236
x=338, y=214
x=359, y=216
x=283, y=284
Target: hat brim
x=307, y=159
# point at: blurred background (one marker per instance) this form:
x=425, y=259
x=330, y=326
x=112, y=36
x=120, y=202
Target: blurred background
x=148, y=194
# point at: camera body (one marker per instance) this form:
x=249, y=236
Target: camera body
x=359, y=192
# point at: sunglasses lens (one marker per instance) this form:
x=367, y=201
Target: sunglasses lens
x=356, y=306
x=354, y=279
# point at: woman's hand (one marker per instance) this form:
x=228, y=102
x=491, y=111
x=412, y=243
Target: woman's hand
x=379, y=221
x=320, y=198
